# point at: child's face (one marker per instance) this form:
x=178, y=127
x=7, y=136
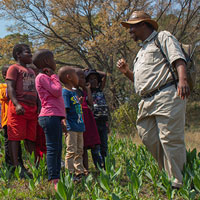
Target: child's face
x=74, y=78
x=25, y=56
x=93, y=80
x=52, y=63
x=81, y=77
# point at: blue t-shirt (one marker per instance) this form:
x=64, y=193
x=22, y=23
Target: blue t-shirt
x=74, y=111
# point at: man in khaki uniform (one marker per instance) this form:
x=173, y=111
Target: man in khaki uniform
x=161, y=114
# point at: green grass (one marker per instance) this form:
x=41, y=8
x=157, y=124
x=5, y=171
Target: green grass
x=131, y=173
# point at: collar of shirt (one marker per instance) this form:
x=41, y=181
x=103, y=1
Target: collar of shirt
x=153, y=34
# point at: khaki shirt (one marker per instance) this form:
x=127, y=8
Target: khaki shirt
x=150, y=69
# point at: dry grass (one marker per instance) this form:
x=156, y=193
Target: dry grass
x=192, y=123
x=192, y=128
x=192, y=140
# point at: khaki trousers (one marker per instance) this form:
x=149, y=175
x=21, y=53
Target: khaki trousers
x=74, y=152
x=160, y=125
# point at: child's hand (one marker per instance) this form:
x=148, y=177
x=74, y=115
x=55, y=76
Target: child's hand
x=64, y=126
x=80, y=100
x=108, y=127
x=48, y=71
x=19, y=109
x=88, y=85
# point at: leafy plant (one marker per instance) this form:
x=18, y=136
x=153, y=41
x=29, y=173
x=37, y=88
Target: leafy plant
x=65, y=188
x=124, y=119
x=135, y=182
x=153, y=175
x=5, y=173
x=167, y=185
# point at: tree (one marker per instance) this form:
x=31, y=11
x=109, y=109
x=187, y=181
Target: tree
x=6, y=46
x=87, y=33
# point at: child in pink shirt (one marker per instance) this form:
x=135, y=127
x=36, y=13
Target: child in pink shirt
x=52, y=112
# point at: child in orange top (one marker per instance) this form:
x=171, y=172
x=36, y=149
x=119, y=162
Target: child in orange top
x=0, y=120
x=4, y=103
x=4, y=109
x=4, y=99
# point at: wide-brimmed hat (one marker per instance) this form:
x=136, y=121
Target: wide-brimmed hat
x=137, y=17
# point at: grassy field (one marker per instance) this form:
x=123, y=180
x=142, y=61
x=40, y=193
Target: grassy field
x=131, y=173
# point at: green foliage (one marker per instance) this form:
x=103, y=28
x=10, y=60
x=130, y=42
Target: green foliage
x=65, y=189
x=124, y=117
x=88, y=33
x=130, y=173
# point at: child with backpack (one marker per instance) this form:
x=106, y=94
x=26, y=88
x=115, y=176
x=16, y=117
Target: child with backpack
x=97, y=80
x=91, y=135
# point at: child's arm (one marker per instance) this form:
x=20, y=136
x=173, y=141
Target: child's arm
x=66, y=98
x=12, y=95
x=103, y=79
x=89, y=94
x=64, y=126
x=53, y=85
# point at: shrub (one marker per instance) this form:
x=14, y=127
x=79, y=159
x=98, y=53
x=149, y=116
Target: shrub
x=124, y=119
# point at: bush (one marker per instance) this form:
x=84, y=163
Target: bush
x=124, y=119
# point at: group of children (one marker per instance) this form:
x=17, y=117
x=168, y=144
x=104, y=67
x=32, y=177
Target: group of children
x=37, y=106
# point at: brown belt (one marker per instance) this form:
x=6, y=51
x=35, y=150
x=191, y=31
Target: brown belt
x=158, y=90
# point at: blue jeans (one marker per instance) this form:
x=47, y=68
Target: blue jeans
x=53, y=131
x=103, y=133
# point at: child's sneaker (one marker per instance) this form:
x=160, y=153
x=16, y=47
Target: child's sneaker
x=55, y=182
x=73, y=177
x=86, y=172
x=76, y=179
x=62, y=164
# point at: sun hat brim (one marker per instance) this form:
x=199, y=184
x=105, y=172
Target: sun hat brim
x=128, y=23
x=92, y=71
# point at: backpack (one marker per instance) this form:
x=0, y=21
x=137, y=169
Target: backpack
x=191, y=70
x=188, y=51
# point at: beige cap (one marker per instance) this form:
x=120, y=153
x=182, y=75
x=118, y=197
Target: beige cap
x=140, y=16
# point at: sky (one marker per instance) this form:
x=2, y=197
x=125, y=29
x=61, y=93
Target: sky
x=3, y=24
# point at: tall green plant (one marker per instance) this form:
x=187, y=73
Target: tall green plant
x=124, y=119
x=65, y=188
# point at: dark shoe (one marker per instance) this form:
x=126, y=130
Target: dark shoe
x=78, y=178
x=25, y=173
x=175, y=188
x=73, y=177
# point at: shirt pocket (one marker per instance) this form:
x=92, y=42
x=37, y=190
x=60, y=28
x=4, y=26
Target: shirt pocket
x=152, y=56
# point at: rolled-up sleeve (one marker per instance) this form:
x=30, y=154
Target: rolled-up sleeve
x=171, y=47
